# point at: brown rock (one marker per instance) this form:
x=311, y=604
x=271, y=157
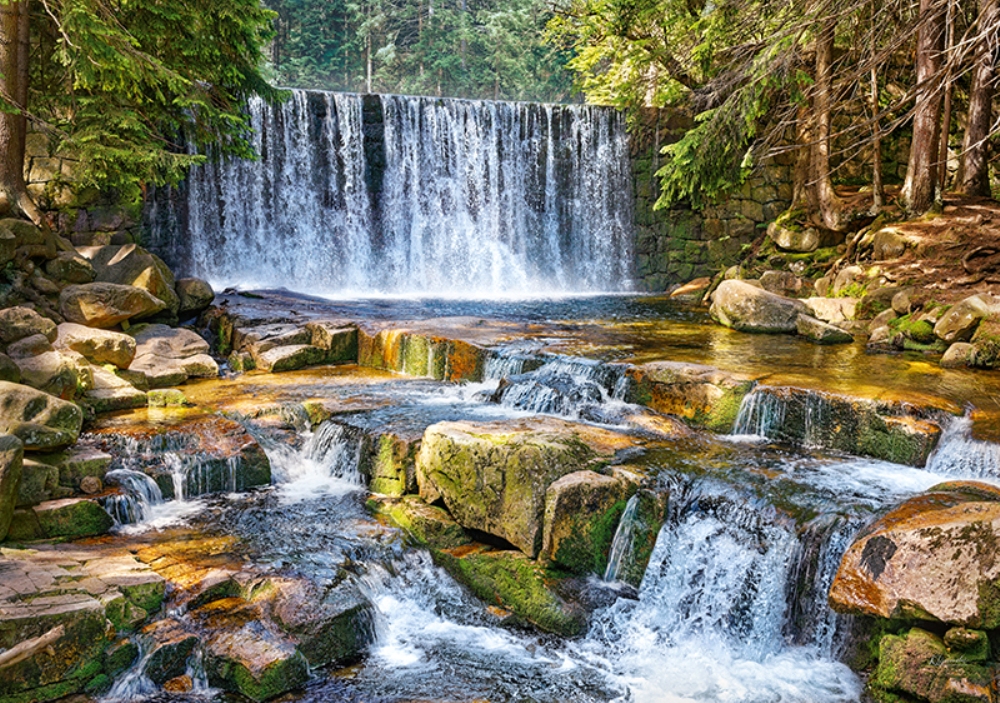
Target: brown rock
x=131, y=265
x=49, y=372
x=745, y=307
x=932, y=558
x=41, y=421
x=194, y=295
x=18, y=323
x=106, y=304
x=98, y=346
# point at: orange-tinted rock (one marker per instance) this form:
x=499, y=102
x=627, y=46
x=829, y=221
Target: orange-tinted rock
x=935, y=557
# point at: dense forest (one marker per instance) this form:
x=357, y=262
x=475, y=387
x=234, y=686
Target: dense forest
x=826, y=80
x=494, y=49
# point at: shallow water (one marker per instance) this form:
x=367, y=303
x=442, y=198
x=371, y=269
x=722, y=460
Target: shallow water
x=732, y=607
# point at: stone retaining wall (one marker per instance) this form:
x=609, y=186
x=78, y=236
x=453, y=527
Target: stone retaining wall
x=678, y=244
x=85, y=216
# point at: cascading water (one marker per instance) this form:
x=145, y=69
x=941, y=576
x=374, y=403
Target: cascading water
x=328, y=462
x=958, y=453
x=406, y=195
x=622, y=547
x=139, y=495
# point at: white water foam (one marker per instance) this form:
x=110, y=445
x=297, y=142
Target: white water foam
x=325, y=465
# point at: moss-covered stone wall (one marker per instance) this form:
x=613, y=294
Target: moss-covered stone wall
x=85, y=216
x=677, y=244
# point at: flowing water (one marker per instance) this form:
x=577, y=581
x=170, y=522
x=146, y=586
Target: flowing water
x=732, y=606
x=410, y=196
x=454, y=207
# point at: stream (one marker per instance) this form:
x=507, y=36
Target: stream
x=732, y=606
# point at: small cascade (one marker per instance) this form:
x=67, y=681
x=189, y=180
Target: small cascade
x=134, y=684
x=810, y=620
x=959, y=454
x=327, y=462
x=334, y=447
x=712, y=610
x=139, y=495
x=622, y=554
x=761, y=413
x=502, y=365
x=390, y=194
x=567, y=386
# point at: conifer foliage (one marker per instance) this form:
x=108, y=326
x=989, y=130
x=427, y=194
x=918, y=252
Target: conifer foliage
x=115, y=82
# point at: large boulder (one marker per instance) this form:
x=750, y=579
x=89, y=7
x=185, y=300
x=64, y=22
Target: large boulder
x=42, y=421
x=98, y=346
x=50, y=372
x=131, y=265
x=17, y=323
x=747, y=308
x=168, y=356
x=932, y=558
x=962, y=319
x=102, y=304
x=493, y=476
x=194, y=295
x=11, y=458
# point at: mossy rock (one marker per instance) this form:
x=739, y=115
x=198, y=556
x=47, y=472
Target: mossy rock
x=391, y=465
x=986, y=344
x=428, y=525
x=73, y=517
x=167, y=398
x=917, y=663
x=511, y=580
x=493, y=477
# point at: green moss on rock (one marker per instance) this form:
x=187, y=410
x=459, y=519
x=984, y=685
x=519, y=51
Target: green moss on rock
x=511, y=580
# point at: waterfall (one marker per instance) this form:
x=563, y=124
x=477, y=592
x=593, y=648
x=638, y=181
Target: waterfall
x=138, y=497
x=327, y=463
x=622, y=547
x=958, y=454
x=362, y=195
x=760, y=414
x=712, y=610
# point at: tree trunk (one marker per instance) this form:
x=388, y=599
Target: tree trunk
x=828, y=204
x=14, y=50
x=942, y=167
x=975, y=178
x=878, y=186
x=921, y=171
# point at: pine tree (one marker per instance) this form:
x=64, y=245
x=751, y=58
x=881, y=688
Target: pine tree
x=116, y=82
